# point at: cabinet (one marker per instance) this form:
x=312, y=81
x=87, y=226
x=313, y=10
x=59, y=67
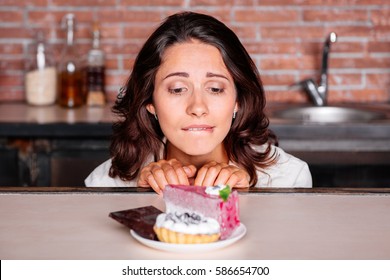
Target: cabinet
x=51, y=146
x=50, y=162
x=340, y=158
x=9, y=166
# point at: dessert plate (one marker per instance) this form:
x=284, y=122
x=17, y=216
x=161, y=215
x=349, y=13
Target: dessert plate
x=190, y=248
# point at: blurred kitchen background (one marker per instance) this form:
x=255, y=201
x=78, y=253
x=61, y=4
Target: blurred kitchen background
x=284, y=37
x=55, y=146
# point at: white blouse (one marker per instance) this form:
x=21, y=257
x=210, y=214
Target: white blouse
x=287, y=172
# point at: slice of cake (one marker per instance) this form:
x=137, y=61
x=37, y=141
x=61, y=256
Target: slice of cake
x=209, y=203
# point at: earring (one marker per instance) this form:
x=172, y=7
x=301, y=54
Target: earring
x=234, y=114
x=155, y=116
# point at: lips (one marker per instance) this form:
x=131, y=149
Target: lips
x=200, y=128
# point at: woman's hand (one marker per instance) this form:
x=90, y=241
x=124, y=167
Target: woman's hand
x=163, y=172
x=214, y=173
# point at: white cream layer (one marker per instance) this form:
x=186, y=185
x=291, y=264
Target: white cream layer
x=214, y=190
x=187, y=223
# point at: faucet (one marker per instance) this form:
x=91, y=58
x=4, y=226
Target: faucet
x=318, y=93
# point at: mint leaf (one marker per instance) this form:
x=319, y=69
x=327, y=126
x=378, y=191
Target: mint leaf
x=225, y=192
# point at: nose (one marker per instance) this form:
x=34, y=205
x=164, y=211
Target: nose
x=197, y=104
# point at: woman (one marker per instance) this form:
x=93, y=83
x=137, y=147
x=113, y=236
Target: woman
x=192, y=112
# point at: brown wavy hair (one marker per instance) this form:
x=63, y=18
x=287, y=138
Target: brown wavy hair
x=137, y=135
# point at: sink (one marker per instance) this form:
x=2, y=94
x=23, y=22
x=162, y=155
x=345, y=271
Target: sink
x=327, y=114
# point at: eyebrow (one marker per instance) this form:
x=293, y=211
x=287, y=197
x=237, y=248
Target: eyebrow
x=211, y=75
x=186, y=75
x=180, y=74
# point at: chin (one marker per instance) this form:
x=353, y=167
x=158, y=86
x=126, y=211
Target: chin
x=197, y=151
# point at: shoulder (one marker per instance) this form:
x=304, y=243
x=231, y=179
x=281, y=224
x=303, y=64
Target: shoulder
x=286, y=172
x=99, y=178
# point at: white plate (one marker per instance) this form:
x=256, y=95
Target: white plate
x=188, y=248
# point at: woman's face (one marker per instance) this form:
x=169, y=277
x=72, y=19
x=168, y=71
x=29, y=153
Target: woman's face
x=194, y=99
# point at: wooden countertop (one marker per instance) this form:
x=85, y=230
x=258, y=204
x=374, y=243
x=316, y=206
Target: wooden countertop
x=71, y=225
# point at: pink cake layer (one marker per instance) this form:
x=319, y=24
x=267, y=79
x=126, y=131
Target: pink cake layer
x=195, y=199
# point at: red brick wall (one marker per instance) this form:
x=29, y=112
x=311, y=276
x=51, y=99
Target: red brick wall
x=284, y=37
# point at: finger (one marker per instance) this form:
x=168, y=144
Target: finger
x=147, y=180
x=155, y=186
x=201, y=176
x=159, y=176
x=223, y=176
x=182, y=176
x=207, y=174
x=171, y=173
x=211, y=175
x=203, y=173
x=238, y=179
x=190, y=170
x=180, y=173
x=142, y=181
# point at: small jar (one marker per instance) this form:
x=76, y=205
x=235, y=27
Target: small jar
x=41, y=75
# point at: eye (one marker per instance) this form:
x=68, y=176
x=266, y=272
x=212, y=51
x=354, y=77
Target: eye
x=177, y=91
x=216, y=90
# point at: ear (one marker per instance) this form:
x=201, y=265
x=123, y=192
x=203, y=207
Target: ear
x=151, y=109
x=236, y=107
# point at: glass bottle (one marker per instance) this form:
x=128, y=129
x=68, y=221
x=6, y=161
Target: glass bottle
x=70, y=84
x=95, y=72
x=41, y=75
